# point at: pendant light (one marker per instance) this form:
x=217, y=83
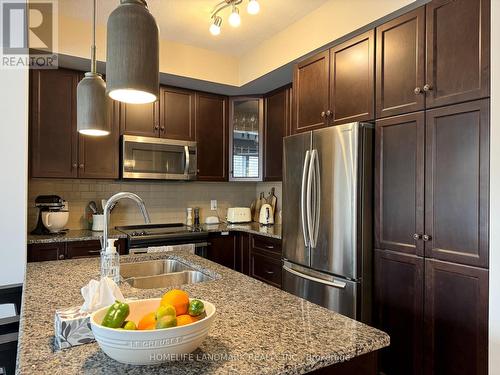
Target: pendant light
x=132, y=62
x=92, y=102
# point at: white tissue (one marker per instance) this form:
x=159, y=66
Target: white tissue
x=98, y=294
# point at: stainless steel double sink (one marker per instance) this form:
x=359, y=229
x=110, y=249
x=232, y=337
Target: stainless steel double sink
x=161, y=273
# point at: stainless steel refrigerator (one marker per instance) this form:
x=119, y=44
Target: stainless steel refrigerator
x=327, y=221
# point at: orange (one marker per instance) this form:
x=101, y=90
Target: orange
x=185, y=319
x=147, y=321
x=177, y=298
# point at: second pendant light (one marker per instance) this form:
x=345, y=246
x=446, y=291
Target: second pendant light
x=132, y=62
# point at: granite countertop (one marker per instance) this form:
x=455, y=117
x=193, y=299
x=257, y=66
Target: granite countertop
x=273, y=231
x=72, y=235
x=258, y=329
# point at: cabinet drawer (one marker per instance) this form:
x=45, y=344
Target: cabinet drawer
x=46, y=251
x=267, y=244
x=83, y=249
x=265, y=268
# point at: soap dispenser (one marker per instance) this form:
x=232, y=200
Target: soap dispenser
x=110, y=262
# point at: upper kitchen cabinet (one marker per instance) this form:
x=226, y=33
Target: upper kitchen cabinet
x=457, y=183
x=311, y=93
x=53, y=135
x=177, y=114
x=141, y=120
x=245, y=138
x=399, y=183
x=277, y=118
x=352, y=89
x=56, y=148
x=401, y=64
x=212, y=137
x=458, y=57
x=98, y=157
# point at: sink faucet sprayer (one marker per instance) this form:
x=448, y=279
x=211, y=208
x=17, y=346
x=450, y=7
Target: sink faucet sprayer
x=110, y=264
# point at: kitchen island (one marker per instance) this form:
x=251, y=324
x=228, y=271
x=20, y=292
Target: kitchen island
x=258, y=329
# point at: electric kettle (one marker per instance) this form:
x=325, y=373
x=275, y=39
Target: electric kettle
x=266, y=216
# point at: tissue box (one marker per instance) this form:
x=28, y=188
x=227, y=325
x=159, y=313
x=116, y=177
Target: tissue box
x=72, y=328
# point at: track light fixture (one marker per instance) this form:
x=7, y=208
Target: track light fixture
x=234, y=18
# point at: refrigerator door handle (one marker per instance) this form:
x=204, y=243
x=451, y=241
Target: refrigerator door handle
x=335, y=284
x=317, y=183
x=309, y=208
x=303, y=198
x=311, y=211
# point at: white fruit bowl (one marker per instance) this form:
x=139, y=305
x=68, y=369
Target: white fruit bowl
x=150, y=347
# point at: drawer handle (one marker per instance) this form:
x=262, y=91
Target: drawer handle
x=269, y=272
x=269, y=246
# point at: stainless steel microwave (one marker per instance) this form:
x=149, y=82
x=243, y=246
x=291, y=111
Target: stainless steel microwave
x=157, y=158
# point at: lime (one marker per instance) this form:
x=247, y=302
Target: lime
x=164, y=310
x=166, y=321
x=129, y=325
x=196, y=307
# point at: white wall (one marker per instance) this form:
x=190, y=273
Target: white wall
x=494, y=314
x=13, y=180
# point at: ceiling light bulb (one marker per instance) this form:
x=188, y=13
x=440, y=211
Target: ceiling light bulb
x=234, y=18
x=253, y=7
x=215, y=26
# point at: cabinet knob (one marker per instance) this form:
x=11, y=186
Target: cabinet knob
x=323, y=114
x=427, y=87
x=61, y=256
x=417, y=90
x=74, y=165
x=329, y=113
x=162, y=128
x=426, y=237
x=157, y=127
x=81, y=166
x=417, y=236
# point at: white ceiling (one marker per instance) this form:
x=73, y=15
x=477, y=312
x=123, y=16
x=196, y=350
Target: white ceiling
x=187, y=21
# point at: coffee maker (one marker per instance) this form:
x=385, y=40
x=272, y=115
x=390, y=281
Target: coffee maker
x=52, y=214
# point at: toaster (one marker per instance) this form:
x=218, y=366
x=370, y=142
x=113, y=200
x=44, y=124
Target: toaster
x=239, y=215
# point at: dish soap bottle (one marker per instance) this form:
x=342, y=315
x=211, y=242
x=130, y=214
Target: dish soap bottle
x=110, y=262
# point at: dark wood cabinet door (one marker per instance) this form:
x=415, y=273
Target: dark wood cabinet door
x=83, y=249
x=399, y=297
x=46, y=251
x=401, y=64
x=276, y=108
x=311, y=93
x=177, y=114
x=456, y=319
x=352, y=85
x=53, y=135
x=140, y=119
x=212, y=137
x=242, y=258
x=99, y=156
x=458, y=51
x=399, y=183
x=457, y=183
x=221, y=249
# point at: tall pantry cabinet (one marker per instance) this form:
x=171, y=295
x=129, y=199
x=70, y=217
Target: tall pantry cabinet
x=432, y=189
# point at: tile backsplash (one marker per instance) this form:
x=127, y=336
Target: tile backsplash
x=166, y=201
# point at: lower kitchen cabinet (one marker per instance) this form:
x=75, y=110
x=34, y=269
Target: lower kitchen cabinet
x=399, y=293
x=456, y=319
x=221, y=248
x=438, y=323
x=46, y=251
x=265, y=260
x=70, y=250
